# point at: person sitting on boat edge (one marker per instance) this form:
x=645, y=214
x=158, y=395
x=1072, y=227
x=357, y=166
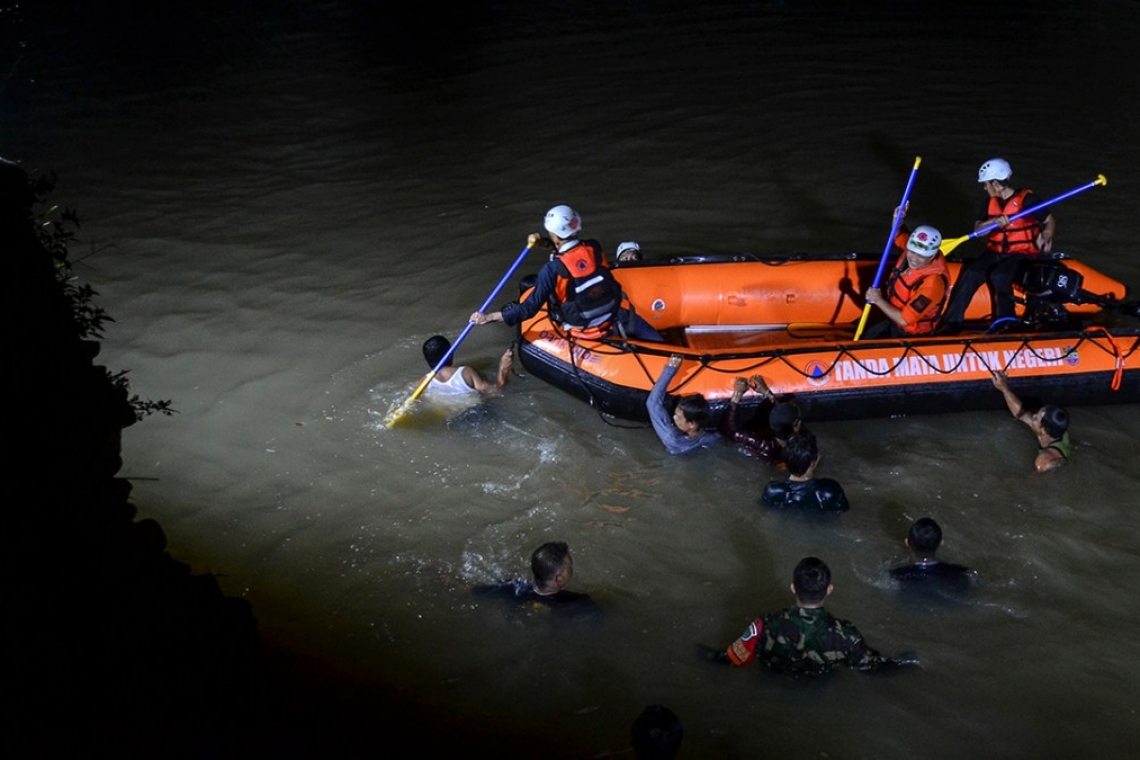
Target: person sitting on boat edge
x=1050, y=424
x=1006, y=247
x=806, y=640
x=783, y=421
x=461, y=381
x=916, y=290
x=802, y=490
x=922, y=541
x=583, y=296
x=627, y=252
x=684, y=429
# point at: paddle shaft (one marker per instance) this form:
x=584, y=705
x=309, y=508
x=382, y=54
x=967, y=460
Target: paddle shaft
x=462, y=336
x=949, y=245
x=890, y=243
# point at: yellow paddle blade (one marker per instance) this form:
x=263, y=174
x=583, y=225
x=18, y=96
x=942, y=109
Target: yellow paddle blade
x=949, y=245
x=397, y=414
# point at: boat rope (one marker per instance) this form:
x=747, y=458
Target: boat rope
x=574, y=352
x=1118, y=375
x=934, y=363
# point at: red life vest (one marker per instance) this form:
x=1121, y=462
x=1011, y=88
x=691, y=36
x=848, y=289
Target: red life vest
x=1020, y=235
x=586, y=295
x=905, y=288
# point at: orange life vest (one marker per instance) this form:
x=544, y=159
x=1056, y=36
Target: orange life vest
x=911, y=288
x=1020, y=235
x=586, y=295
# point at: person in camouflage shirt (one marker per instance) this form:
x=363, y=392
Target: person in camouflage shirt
x=805, y=640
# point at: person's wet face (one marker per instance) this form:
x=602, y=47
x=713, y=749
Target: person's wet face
x=566, y=574
x=682, y=422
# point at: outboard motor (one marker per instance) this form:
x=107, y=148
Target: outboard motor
x=1050, y=281
x=1048, y=285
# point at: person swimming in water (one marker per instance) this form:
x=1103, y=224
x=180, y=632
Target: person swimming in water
x=806, y=640
x=687, y=428
x=803, y=490
x=552, y=566
x=462, y=381
x=923, y=540
x=783, y=420
x=1050, y=424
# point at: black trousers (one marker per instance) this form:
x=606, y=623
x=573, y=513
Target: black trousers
x=991, y=268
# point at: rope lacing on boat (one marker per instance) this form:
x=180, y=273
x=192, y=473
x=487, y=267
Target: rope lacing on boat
x=969, y=346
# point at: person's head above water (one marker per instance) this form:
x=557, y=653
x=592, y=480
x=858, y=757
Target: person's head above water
x=1053, y=419
x=784, y=419
x=924, y=538
x=801, y=453
x=811, y=581
x=656, y=733
x=435, y=348
x=692, y=413
x=552, y=565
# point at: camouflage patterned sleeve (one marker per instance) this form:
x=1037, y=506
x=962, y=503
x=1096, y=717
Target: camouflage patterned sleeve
x=857, y=654
x=743, y=650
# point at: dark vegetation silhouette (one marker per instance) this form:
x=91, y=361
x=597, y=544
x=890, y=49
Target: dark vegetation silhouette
x=116, y=648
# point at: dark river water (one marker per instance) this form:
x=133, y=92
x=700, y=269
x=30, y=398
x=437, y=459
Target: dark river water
x=282, y=200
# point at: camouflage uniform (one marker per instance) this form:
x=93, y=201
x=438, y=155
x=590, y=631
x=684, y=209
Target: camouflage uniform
x=802, y=641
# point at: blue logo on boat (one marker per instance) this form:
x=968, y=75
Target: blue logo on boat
x=817, y=372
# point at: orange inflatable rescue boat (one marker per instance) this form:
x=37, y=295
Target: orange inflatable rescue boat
x=792, y=319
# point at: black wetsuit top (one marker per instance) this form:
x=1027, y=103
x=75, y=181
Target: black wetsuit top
x=817, y=494
x=944, y=574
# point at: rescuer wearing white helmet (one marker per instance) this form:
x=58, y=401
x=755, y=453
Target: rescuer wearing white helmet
x=627, y=252
x=577, y=285
x=915, y=293
x=563, y=222
x=1030, y=235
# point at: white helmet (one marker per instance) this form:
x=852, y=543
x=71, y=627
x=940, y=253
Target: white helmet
x=563, y=221
x=924, y=241
x=995, y=168
x=630, y=246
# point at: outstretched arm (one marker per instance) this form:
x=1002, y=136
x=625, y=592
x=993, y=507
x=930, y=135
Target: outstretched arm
x=505, y=363
x=659, y=416
x=476, y=380
x=1012, y=401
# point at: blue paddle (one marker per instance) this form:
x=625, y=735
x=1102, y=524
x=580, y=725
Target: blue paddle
x=949, y=245
x=890, y=243
x=394, y=416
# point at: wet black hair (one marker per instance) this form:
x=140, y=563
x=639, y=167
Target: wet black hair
x=811, y=579
x=924, y=537
x=656, y=733
x=783, y=418
x=799, y=453
x=547, y=560
x=1054, y=420
x=696, y=408
x=435, y=348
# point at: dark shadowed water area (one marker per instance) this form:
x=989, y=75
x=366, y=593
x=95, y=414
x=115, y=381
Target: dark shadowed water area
x=281, y=201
